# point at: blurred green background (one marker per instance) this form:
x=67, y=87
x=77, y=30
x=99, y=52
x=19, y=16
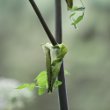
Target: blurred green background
x=88, y=59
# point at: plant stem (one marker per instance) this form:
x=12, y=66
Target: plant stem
x=62, y=88
x=37, y=11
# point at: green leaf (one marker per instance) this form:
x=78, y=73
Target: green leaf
x=32, y=86
x=74, y=11
x=22, y=86
x=41, y=91
x=62, y=52
x=41, y=75
x=41, y=81
x=47, y=47
x=78, y=20
x=57, y=84
x=54, y=56
x=27, y=85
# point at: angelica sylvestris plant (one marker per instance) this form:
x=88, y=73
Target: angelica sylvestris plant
x=47, y=80
x=53, y=76
x=54, y=54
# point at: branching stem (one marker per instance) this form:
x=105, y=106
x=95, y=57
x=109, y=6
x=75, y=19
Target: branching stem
x=62, y=88
x=38, y=13
x=61, y=77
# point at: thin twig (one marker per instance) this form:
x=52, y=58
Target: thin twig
x=37, y=11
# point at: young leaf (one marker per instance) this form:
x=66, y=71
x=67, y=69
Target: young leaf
x=74, y=9
x=54, y=56
x=78, y=20
x=32, y=86
x=46, y=80
x=41, y=91
x=57, y=84
x=23, y=86
x=27, y=85
x=41, y=81
x=47, y=47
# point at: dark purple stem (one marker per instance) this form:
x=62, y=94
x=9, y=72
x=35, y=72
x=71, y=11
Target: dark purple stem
x=38, y=13
x=61, y=77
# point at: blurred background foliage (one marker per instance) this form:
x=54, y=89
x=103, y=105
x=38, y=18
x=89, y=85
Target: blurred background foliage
x=88, y=59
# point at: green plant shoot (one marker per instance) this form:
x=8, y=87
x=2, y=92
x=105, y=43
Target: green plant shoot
x=54, y=56
x=47, y=80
